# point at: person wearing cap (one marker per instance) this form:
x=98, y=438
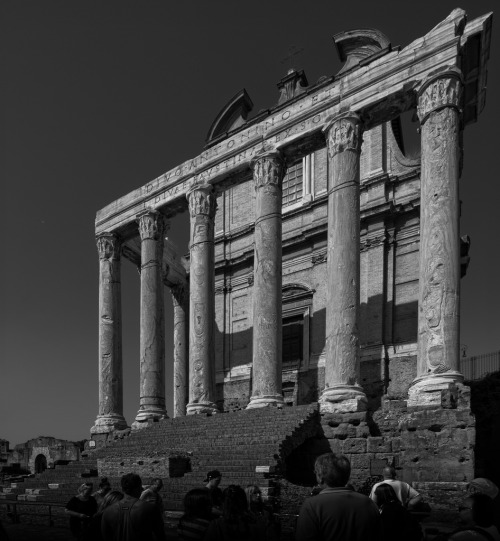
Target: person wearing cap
x=213, y=481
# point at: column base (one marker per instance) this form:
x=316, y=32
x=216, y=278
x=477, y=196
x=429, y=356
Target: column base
x=273, y=400
x=105, y=424
x=343, y=399
x=144, y=416
x=195, y=408
x=436, y=390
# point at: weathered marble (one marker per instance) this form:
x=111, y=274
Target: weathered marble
x=180, y=298
x=110, y=416
x=268, y=172
x=342, y=391
x=439, y=281
x=202, y=206
x=152, y=227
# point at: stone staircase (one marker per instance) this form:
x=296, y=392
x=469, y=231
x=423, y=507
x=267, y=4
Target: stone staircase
x=248, y=447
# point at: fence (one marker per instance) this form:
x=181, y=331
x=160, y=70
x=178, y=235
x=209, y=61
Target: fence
x=48, y=514
x=477, y=366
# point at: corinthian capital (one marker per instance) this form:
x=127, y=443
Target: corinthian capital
x=152, y=224
x=201, y=199
x=343, y=132
x=442, y=90
x=108, y=246
x=268, y=170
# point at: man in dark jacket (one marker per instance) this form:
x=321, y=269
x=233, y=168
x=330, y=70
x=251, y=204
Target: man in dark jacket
x=337, y=513
x=132, y=519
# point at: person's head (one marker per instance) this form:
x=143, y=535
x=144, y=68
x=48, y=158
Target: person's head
x=254, y=496
x=383, y=494
x=477, y=509
x=235, y=503
x=198, y=504
x=213, y=478
x=389, y=472
x=481, y=485
x=104, y=486
x=110, y=498
x=332, y=470
x=85, y=490
x=156, y=485
x=131, y=485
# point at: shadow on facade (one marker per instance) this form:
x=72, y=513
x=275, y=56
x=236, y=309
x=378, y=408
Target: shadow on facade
x=303, y=380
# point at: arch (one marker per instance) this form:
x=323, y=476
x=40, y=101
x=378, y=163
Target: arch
x=40, y=463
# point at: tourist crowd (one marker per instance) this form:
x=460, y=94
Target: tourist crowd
x=333, y=512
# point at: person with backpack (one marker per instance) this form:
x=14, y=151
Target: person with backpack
x=132, y=519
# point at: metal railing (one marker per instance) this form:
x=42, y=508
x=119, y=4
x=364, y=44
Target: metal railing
x=15, y=510
x=477, y=366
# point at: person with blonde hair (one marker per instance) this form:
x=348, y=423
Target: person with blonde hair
x=81, y=508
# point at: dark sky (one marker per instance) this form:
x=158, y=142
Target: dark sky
x=98, y=98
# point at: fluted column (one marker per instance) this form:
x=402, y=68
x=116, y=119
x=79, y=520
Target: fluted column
x=180, y=300
x=342, y=391
x=268, y=172
x=110, y=416
x=438, y=110
x=202, y=206
x=152, y=227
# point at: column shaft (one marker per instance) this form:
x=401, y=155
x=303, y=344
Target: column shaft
x=268, y=173
x=110, y=415
x=342, y=391
x=181, y=341
x=202, y=206
x=439, y=276
x=152, y=227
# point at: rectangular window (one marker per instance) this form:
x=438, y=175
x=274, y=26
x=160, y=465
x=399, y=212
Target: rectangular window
x=293, y=333
x=292, y=184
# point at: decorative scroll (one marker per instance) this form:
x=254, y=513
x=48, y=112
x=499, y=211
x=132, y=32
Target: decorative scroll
x=268, y=171
x=202, y=200
x=445, y=91
x=108, y=246
x=152, y=225
x=344, y=133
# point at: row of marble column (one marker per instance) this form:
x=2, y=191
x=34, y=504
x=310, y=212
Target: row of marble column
x=439, y=277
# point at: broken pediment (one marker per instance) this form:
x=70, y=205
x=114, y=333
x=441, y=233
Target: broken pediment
x=355, y=46
x=232, y=116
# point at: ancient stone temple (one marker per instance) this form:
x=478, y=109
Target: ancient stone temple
x=324, y=262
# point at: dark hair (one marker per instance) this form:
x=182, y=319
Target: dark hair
x=104, y=482
x=131, y=483
x=384, y=493
x=110, y=498
x=197, y=504
x=332, y=469
x=235, y=506
x=483, y=512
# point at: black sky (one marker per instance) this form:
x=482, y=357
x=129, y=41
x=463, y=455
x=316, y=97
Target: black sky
x=98, y=98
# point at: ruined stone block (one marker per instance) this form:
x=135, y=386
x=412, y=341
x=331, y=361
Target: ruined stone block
x=355, y=445
x=378, y=445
